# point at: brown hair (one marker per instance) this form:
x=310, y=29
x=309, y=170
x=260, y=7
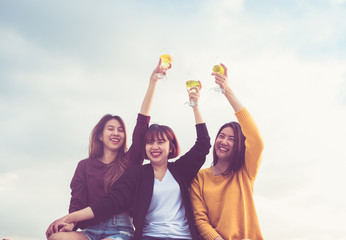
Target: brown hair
x=117, y=167
x=237, y=158
x=160, y=131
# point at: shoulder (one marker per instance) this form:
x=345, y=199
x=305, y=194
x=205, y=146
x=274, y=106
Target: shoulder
x=83, y=163
x=138, y=170
x=92, y=165
x=205, y=172
x=202, y=177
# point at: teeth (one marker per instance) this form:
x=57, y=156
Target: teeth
x=155, y=154
x=115, y=140
x=223, y=149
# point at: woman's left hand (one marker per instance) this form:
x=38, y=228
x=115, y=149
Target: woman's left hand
x=222, y=80
x=194, y=93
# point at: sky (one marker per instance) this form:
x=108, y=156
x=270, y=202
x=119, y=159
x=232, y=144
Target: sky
x=64, y=64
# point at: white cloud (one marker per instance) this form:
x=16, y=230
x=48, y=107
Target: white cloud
x=7, y=180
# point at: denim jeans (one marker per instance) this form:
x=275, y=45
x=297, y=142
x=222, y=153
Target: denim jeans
x=155, y=238
x=118, y=227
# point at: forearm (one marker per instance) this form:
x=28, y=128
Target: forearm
x=148, y=98
x=233, y=100
x=198, y=115
x=81, y=215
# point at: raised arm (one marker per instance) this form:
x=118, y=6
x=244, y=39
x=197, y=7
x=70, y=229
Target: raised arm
x=135, y=153
x=192, y=161
x=222, y=81
x=254, y=141
x=149, y=96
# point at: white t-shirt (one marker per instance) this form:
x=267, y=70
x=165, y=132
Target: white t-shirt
x=166, y=215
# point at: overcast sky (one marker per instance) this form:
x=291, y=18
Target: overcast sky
x=64, y=64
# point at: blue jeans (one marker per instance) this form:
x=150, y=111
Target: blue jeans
x=118, y=227
x=155, y=238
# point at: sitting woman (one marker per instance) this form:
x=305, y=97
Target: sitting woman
x=222, y=195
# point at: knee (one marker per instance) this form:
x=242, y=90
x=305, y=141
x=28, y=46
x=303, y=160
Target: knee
x=53, y=236
x=56, y=236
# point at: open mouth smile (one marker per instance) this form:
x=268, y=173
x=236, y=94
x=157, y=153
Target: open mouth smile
x=155, y=154
x=223, y=149
x=115, y=140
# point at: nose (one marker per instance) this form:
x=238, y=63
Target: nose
x=155, y=145
x=116, y=132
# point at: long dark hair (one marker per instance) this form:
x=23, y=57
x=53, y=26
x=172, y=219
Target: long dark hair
x=160, y=131
x=237, y=158
x=117, y=167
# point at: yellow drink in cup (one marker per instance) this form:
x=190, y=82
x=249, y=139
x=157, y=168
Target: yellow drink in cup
x=191, y=84
x=218, y=69
x=166, y=60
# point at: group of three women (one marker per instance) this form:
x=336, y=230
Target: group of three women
x=115, y=197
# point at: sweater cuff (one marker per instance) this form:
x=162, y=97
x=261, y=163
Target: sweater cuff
x=242, y=114
x=201, y=127
x=96, y=208
x=143, y=118
x=212, y=235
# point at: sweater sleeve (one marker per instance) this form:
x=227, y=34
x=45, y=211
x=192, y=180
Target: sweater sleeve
x=193, y=160
x=253, y=143
x=200, y=210
x=78, y=189
x=119, y=198
x=135, y=154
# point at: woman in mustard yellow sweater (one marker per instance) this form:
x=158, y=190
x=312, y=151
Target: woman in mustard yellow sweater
x=222, y=195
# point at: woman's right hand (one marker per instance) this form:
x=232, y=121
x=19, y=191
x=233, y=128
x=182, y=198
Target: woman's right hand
x=194, y=94
x=59, y=225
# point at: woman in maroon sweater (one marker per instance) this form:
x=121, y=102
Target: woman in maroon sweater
x=108, y=159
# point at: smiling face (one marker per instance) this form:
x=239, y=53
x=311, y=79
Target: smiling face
x=224, y=143
x=113, y=135
x=161, y=144
x=158, y=149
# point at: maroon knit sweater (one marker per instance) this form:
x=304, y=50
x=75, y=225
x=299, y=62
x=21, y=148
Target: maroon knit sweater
x=87, y=185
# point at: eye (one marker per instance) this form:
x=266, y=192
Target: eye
x=120, y=129
x=150, y=142
x=161, y=141
x=221, y=136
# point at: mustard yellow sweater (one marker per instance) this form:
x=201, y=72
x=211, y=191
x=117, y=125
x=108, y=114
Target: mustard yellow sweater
x=224, y=206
